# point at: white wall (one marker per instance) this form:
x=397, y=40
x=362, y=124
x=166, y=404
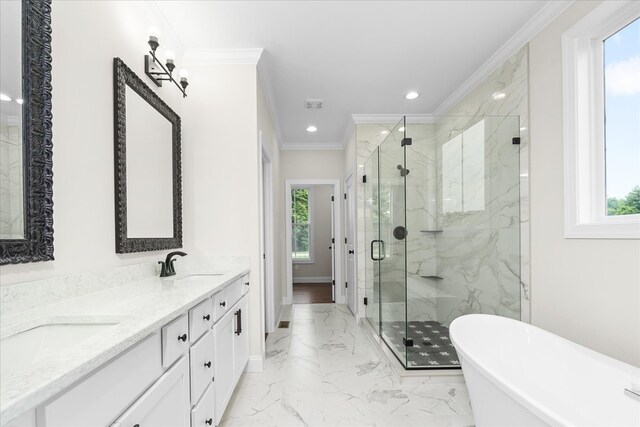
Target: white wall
x=585, y=290
x=86, y=38
x=221, y=184
x=321, y=223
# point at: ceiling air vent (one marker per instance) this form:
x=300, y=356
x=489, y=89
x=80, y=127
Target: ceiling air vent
x=313, y=104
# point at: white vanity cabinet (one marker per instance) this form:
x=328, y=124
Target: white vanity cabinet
x=182, y=375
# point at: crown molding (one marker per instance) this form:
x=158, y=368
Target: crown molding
x=538, y=22
x=223, y=56
x=391, y=118
x=265, y=80
x=319, y=146
x=348, y=132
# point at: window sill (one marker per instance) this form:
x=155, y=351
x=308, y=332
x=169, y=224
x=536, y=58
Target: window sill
x=627, y=227
x=303, y=261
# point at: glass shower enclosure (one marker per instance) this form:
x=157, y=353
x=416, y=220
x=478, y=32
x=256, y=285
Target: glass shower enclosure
x=442, y=232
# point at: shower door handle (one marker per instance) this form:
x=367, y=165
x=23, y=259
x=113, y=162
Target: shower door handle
x=380, y=250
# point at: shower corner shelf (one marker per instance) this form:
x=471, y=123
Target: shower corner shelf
x=432, y=277
x=431, y=231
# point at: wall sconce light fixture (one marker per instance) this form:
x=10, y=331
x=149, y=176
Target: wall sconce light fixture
x=159, y=72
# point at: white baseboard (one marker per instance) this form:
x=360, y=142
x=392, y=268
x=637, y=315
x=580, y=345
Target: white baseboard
x=312, y=279
x=255, y=364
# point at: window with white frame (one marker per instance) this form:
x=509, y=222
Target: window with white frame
x=601, y=79
x=301, y=225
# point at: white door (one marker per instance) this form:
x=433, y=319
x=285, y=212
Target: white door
x=333, y=253
x=350, y=256
x=223, y=367
x=165, y=404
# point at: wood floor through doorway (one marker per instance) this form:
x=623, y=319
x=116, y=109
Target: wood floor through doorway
x=311, y=293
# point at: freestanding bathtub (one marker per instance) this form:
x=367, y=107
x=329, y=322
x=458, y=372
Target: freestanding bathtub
x=521, y=375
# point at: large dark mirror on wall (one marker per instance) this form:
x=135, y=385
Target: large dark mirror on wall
x=26, y=202
x=147, y=166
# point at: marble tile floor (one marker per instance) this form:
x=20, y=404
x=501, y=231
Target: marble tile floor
x=325, y=371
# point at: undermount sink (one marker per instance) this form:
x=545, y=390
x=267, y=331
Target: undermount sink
x=22, y=350
x=191, y=276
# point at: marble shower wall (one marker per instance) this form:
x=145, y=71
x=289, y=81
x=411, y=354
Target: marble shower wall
x=483, y=254
x=11, y=194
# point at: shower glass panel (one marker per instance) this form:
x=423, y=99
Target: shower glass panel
x=443, y=214
x=372, y=231
x=393, y=287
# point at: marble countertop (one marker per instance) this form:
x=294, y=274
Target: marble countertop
x=137, y=309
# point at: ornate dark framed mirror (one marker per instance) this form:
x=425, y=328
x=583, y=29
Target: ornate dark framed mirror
x=26, y=196
x=148, y=174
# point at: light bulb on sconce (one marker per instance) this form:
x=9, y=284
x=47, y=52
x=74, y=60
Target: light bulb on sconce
x=184, y=75
x=153, y=38
x=171, y=65
x=160, y=71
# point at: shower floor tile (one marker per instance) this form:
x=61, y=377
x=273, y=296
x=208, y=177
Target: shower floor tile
x=431, y=344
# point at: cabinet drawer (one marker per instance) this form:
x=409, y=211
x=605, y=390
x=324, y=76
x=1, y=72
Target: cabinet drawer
x=101, y=397
x=245, y=284
x=201, y=361
x=200, y=319
x=220, y=305
x=175, y=340
x=166, y=403
x=234, y=292
x=203, y=415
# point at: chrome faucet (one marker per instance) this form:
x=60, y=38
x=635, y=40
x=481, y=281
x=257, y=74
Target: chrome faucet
x=167, y=265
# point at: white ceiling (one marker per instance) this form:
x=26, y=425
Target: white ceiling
x=360, y=57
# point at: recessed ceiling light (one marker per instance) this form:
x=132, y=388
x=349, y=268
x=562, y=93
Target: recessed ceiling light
x=312, y=129
x=4, y=97
x=401, y=129
x=20, y=101
x=412, y=95
x=384, y=132
x=360, y=166
x=498, y=95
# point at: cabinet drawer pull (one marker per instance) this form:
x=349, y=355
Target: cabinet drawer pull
x=246, y=283
x=207, y=317
x=183, y=337
x=239, y=321
x=209, y=421
x=208, y=364
x=223, y=303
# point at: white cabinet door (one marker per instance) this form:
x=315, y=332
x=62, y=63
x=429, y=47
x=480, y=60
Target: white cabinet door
x=241, y=336
x=224, y=369
x=165, y=404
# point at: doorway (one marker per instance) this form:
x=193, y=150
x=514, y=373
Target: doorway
x=313, y=252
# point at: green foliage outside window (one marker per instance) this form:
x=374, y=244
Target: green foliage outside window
x=300, y=223
x=628, y=205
